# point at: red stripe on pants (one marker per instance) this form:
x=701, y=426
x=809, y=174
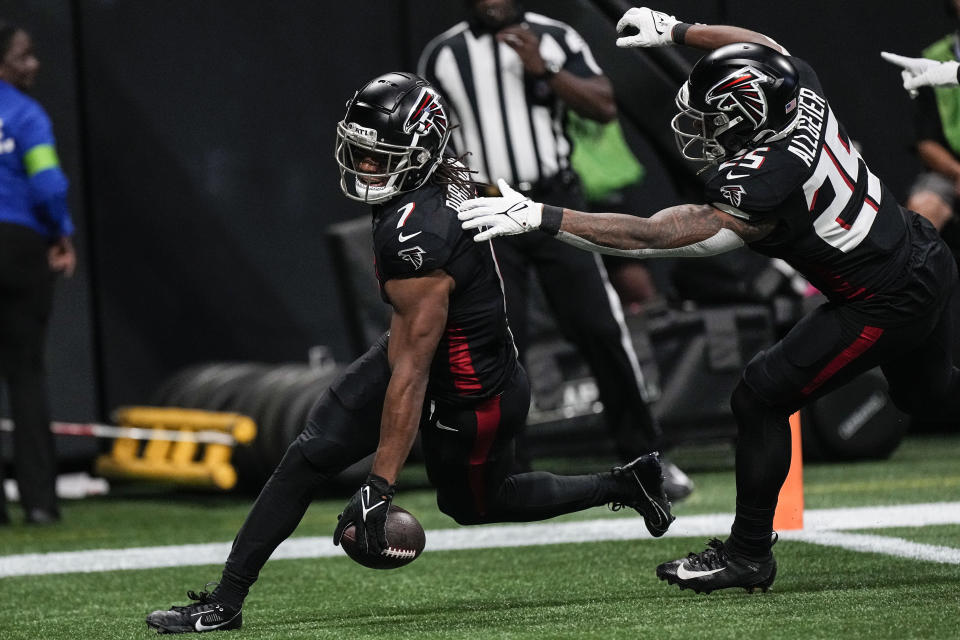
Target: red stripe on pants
x=867, y=338
x=488, y=420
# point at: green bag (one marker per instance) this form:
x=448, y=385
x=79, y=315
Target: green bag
x=601, y=157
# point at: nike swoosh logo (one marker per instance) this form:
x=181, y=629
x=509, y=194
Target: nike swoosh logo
x=737, y=176
x=685, y=574
x=199, y=626
x=404, y=238
x=365, y=501
x=661, y=514
x=440, y=425
x=658, y=22
x=516, y=206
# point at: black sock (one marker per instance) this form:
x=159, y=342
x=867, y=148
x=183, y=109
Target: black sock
x=231, y=590
x=752, y=533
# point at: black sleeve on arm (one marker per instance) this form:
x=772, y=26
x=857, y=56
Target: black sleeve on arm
x=550, y=219
x=679, y=33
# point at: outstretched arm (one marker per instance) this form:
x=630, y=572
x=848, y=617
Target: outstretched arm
x=713, y=36
x=643, y=27
x=923, y=72
x=419, y=317
x=683, y=230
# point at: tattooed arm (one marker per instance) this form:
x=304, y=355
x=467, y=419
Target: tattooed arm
x=684, y=230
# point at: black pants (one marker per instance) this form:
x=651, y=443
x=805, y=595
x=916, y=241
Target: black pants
x=468, y=451
x=26, y=295
x=588, y=313
x=825, y=350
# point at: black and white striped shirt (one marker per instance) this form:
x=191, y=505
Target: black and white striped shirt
x=511, y=124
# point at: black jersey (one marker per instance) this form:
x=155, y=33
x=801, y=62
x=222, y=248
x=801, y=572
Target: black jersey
x=838, y=224
x=419, y=232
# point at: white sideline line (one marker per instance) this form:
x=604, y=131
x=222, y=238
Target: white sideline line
x=821, y=526
x=880, y=544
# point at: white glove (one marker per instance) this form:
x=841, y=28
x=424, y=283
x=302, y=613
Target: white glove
x=507, y=215
x=655, y=28
x=923, y=72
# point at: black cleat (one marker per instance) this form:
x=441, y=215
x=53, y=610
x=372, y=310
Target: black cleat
x=643, y=480
x=717, y=568
x=205, y=614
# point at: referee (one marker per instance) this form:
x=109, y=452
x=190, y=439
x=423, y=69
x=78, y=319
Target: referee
x=509, y=77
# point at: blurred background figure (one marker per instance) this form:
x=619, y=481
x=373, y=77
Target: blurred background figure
x=924, y=72
x=35, y=245
x=510, y=77
x=937, y=115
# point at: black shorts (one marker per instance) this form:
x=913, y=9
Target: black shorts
x=907, y=331
x=831, y=346
x=468, y=448
x=469, y=451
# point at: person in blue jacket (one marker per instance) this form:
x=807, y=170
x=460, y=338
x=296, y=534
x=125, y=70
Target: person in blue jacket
x=35, y=245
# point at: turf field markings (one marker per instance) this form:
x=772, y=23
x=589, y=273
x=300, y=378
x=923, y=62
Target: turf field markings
x=879, y=544
x=821, y=527
x=827, y=488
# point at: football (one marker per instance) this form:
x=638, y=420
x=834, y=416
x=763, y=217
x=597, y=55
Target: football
x=404, y=535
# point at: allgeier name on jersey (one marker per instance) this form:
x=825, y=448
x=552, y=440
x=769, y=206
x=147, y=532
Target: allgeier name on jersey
x=804, y=143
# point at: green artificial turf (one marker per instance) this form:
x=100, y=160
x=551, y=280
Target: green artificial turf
x=586, y=590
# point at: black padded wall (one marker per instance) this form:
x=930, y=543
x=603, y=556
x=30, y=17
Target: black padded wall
x=199, y=139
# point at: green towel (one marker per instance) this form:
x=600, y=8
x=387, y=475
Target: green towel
x=948, y=98
x=601, y=157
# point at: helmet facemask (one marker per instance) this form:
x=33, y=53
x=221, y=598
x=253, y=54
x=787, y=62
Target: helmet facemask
x=391, y=139
x=696, y=131
x=396, y=166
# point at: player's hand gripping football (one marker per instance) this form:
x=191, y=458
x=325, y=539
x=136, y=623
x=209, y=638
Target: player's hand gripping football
x=367, y=510
x=507, y=215
x=655, y=28
x=922, y=72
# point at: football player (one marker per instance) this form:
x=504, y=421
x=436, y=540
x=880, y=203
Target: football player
x=447, y=368
x=786, y=180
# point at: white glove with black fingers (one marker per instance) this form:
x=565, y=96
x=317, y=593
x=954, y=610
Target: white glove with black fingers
x=655, y=28
x=923, y=72
x=509, y=214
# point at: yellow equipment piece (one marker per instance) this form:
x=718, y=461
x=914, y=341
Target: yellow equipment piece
x=186, y=446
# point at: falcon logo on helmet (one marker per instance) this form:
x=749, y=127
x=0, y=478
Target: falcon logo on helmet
x=426, y=116
x=741, y=90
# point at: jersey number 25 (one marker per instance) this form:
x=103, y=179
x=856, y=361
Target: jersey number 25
x=844, y=223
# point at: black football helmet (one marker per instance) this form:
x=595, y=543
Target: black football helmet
x=392, y=137
x=737, y=97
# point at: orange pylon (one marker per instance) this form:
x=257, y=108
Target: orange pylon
x=789, y=514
